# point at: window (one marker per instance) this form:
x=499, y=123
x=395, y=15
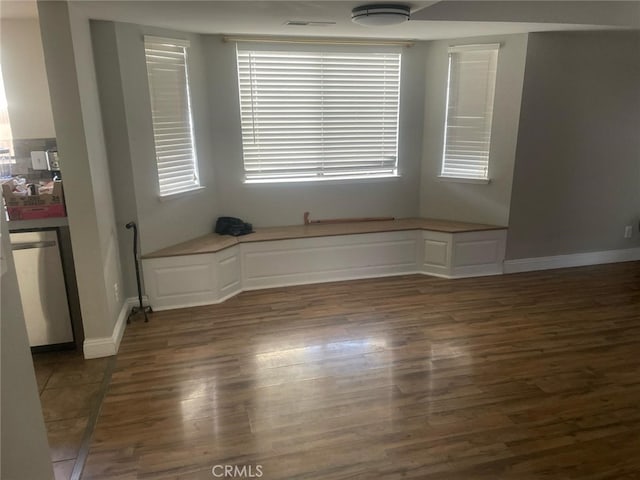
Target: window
x=171, y=114
x=470, y=94
x=6, y=141
x=309, y=115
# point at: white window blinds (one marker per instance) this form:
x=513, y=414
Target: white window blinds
x=318, y=115
x=470, y=94
x=171, y=114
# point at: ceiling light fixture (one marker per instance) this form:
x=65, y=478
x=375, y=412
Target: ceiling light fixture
x=380, y=15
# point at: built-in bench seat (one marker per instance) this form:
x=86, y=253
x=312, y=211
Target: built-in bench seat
x=212, y=268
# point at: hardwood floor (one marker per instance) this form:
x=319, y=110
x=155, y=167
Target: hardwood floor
x=522, y=376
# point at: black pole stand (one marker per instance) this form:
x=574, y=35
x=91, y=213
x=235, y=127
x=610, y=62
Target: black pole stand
x=136, y=258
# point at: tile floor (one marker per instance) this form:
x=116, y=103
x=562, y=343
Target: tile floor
x=69, y=389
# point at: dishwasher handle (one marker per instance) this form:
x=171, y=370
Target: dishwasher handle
x=30, y=245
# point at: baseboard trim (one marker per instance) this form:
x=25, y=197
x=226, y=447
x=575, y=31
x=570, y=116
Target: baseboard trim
x=571, y=260
x=200, y=303
x=108, y=346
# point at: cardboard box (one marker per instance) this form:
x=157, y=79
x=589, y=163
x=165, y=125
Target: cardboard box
x=34, y=206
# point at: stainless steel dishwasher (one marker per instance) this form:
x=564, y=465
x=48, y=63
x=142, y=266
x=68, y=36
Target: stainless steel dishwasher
x=42, y=288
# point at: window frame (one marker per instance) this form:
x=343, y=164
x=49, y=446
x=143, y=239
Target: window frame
x=8, y=158
x=195, y=185
x=491, y=78
x=321, y=175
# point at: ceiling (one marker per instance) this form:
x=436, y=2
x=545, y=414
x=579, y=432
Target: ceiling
x=430, y=19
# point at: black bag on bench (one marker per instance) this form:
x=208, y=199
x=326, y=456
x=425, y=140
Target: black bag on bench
x=232, y=226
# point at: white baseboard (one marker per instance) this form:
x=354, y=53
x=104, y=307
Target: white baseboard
x=477, y=271
x=108, y=346
x=161, y=307
x=571, y=260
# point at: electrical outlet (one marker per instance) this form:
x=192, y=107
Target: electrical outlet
x=39, y=160
x=116, y=292
x=628, y=231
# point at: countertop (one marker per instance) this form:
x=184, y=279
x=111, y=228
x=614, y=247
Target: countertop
x=37, y=223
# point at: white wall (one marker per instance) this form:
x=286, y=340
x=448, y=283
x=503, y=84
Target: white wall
x=100, y=177
x=121, y=62
x=71, y=75
x=214, y=90
x=25, y=79
x=119, y=151
x=576, y=181
x=173, y=219
x=285, y=203
x=24, y=450
x=219, y=144
x=484, y=203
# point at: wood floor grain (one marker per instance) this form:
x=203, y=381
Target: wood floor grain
x=524, y=376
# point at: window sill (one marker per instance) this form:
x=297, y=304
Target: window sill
x=171, y=196
x=480, y=181
x=321, y=181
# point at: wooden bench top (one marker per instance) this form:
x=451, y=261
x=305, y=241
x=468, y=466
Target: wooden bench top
x=213, y=242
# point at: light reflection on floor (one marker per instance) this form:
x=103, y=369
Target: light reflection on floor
x=322, y=351
x=299, y=381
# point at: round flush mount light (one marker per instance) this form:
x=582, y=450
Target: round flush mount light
x=380, y=15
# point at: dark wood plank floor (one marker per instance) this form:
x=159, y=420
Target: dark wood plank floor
x=522, y=376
